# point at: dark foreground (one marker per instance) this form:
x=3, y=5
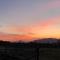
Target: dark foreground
x=29, y=51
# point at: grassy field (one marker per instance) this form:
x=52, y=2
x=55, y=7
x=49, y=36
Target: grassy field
x=28, y=53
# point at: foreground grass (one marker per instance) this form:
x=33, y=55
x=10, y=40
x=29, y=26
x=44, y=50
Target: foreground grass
x=28, y=52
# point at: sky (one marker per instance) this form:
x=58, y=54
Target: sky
x=29, y=19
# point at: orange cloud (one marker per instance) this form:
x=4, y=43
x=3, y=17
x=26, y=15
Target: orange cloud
x=38, y=26
x=16, y=37
x=43, y=29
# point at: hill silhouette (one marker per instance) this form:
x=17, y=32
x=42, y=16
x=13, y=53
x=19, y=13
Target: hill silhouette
x=41, y=49
x=47, y=40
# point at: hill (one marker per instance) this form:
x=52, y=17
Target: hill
x=30, y=51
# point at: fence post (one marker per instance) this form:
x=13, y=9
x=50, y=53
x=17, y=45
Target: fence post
x=37, y=53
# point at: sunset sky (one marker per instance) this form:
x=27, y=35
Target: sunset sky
x=29, y=19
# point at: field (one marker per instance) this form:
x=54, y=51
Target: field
x=22, y=52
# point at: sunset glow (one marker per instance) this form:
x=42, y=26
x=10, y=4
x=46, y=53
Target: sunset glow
x=27, y=20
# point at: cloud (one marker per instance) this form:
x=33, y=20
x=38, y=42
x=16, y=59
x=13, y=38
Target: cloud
x=49, y=22
x=37, y=26
x=51, y=5
x=16, y=37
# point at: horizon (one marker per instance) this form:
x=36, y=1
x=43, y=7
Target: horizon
x=27, y=20
x=42, y=40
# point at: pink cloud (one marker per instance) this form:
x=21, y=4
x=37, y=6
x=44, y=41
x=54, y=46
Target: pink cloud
x=48, y=6
x=16, y=37
x=43, y=24
x=39, y=25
